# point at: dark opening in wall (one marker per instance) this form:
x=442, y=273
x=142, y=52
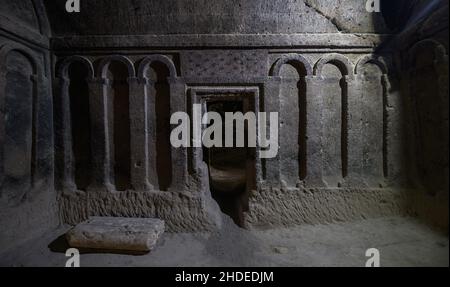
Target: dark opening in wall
x=293, y=123
x=158, y=74
x=228, y=167
x=344, y=127
x=18, y=143
x=431, y=131
x=119, y=117
x=80, y=121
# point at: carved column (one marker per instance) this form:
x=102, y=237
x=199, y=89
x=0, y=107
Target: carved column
x=353, y=132
x=314, y=132
x=139, y=134
x=101, y=160
x=395, y=113
x=42, y=121
x=65, y=136
x=179, y=155
x=271, y=166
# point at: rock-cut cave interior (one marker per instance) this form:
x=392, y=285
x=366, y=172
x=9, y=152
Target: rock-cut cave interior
x=87, y=158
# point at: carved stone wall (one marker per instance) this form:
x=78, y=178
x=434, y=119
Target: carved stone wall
x=345, y=122
x=423, y=52
x=85, y=109
x=334, y=135
x=28, y=205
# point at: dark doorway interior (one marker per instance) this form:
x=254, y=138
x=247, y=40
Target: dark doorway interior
x=81, y=125
x=228, y=167
x=120, y=125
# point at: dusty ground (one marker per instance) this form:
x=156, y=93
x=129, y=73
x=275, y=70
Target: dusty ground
x=401, y=241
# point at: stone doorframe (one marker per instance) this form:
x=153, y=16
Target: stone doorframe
x=251, y=99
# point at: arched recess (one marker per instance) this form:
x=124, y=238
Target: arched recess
x=63, y=67
x=372, y=74
x=432, y=46
x=18, y=118
x=428, y=77
x=335, y=70
x=292, y=58
x=157, y=70
x=340, y=61
x=147, y=61
x=116, y=71
x=75, y=72
x=292, y=69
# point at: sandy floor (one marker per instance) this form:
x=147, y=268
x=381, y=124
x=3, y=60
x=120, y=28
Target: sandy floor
x=401, y=241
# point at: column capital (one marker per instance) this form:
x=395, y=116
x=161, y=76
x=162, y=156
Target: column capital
x=349, y=78
x=133, y=80
x=100, y=81
x=276, y=79
x=62, y=82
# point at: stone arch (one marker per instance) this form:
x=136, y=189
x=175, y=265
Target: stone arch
x=336, y=120
x=105, y=62
x=292, y=69
x=64, y=66
x=374, y=114
x=340, y=61
x=116, y=72
x=21, y=139
x=157, y=70
x=75, y=74
x=440, y=53
x=374, y=59
x=29, y=54
x=276, y=69
x=147, y=61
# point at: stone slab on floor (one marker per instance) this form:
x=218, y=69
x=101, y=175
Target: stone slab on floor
x=116, y=233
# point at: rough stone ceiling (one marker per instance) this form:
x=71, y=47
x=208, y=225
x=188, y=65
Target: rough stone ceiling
x=138, y=17
x=20, y=10
x=141, y=17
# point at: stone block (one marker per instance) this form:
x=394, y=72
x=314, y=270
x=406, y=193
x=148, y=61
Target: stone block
x=116, y=233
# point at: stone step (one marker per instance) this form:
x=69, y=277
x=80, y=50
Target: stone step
x=116, y=233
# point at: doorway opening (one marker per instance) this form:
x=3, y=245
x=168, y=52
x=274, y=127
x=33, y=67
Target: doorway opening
x=231, y=169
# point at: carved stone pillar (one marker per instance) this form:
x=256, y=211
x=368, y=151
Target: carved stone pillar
x=179, y=155
x=65, y=133
x=353, y=132
x=139, y=134
x=42, y=120
x=271, y=166
x=101, y=160
x=394, y=157
x=314, y=132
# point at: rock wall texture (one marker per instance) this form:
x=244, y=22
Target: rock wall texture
x=28, y=205
x=423, y=52
x=99, y=17
x=362, y=97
